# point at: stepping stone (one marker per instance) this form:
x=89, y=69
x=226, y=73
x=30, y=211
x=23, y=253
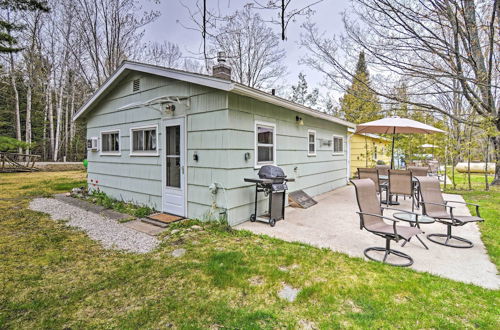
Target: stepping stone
x=178, y=253
x=155, y=223
x=144, y=227
x=288, y=293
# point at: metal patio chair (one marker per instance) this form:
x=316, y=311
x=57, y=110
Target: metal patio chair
x=400, y=183
x=383, y=169
x=372, y=219
x=434, y=205
x=373, y=174
x=418, y=170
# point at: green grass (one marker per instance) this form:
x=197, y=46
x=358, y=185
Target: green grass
x=462, y=181
x=490, y=208
x=489, y=202
x=52, y=276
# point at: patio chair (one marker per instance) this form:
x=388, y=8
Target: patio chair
x=372, y=219
x=383, y=169
x=418, y=170
x=373, y=174
x=433, y=167
x=433, y=205
x=400, y=183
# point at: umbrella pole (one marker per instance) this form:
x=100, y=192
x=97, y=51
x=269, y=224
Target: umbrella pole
x=392, y=151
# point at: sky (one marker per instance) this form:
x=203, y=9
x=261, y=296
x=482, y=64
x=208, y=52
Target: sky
x=173, y=17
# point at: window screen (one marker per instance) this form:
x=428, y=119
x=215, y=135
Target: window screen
x=265, y=144
x=311, y=136
x=110, y=142
x=144, y=140
x=338, y=144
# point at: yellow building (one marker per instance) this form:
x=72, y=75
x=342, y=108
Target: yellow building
x=367, y=149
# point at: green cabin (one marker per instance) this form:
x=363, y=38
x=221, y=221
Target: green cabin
x=182, y=142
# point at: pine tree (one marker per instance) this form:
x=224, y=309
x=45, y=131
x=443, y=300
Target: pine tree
x=301, y=95
x=7, y=40
x=360, y=104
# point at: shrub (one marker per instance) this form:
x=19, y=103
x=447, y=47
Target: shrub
x=100, y=198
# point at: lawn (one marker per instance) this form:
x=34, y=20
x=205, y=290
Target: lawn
x=490, y=209
x=53, y=276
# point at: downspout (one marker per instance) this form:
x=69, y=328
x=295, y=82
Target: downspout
x=350, y=133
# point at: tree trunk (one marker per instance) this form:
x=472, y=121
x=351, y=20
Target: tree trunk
x=59, y=106
x=66, y=128
x=496, y=147
x=486, y=160
x=44, y=137
x=28, y=116
x=16, y=101
x=468, y=168
x=50, y=114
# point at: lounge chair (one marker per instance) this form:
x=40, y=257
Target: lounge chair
x=372, y=219
x=373, y=174
x=433, y=205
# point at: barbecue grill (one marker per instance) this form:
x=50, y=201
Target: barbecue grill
x=272, y=182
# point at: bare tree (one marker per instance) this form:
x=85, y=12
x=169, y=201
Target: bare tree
x=433, y=44
x=253, y=50
x=166, y=54
x=286, y=12
x=110, y=30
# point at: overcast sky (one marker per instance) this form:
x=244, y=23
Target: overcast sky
x=169, y=27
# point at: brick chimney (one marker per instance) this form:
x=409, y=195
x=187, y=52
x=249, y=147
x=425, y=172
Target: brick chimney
x=221, y=70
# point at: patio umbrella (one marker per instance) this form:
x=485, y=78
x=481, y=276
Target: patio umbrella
x=396, y=125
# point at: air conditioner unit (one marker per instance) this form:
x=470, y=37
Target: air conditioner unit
x=92, y=144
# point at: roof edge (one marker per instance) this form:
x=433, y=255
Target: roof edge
x=276, y=100
x=194, y=78
x=204, y=80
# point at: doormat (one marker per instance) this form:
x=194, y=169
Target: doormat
x=301, y=199
x=165, y=217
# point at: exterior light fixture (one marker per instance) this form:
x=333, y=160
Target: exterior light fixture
x=299, y=121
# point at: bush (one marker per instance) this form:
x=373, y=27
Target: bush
x=100, y=198
x=380, y=162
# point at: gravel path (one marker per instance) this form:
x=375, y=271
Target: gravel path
x=110, y=233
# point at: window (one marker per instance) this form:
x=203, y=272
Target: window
x=110, y=142
x=375, y=154
x=265, y=139
x=311, y=140
x=338, y=145
x=144, y=141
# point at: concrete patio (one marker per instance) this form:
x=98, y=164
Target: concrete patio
x=333, y=223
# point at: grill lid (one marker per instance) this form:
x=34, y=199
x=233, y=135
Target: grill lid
x=271, y=172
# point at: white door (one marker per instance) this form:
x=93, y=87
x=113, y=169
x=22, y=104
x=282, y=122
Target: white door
x=173, y=167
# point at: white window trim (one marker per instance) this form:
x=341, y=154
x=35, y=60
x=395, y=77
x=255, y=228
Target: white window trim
x=146, y=153
x=333, y=145
x=309, y=132
x=111, y=153
x=263, y=123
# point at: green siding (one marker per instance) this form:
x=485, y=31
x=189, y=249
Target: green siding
x=314, y=174
x=220, y=129
x=138, y=179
